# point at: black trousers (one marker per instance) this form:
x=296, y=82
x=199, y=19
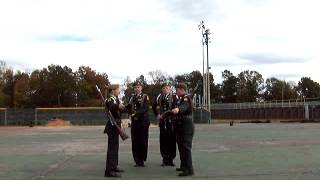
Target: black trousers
x=113, y=149
x=184, y=141
x=139, y=139
x=167, y=142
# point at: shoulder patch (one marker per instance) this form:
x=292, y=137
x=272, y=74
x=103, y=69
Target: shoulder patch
x=113, y=99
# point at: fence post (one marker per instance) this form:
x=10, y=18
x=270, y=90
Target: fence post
x=306, y=111
x=35, y=116
x=5, y=117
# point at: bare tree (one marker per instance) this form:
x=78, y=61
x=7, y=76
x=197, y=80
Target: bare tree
x=158, y=76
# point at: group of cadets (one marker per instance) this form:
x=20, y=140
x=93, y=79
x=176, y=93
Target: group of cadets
x=173, y=112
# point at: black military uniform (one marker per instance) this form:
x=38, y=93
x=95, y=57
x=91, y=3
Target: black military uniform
x=184, y=129
x=112, y=104
x=167, y=135
x=138, y=108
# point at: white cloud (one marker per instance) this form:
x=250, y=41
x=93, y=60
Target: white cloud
x=134, y=37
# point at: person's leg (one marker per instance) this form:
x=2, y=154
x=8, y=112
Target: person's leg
x=172, y=147
x=162, y=144
x=112, y=154
x=135, y=143
x=181, y=152
x=186, y=146
x=188, y=153
x=145, y=141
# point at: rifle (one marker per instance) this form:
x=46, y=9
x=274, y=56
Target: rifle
x=165, y=115
x=122, y=134
x=169, y=112
x=194, y=91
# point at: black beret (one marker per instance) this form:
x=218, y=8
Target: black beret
x=181, y=86
x=137, y=83
x=113, y=86
x=165, y=84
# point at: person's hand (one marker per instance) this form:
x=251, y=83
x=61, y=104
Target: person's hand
x=158, y=117
x=175, y=110
x=121, y=106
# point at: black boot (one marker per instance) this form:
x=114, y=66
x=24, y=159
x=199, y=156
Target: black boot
x=186, y=173
x=170, y=163
x=179, y=169
x=111, y=174
x=118, y=170
x=139, y=164
x=164, y=163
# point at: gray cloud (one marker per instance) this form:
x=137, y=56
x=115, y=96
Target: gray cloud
x=194, y=10
x=226, y=64
x=18, y=65
x=268, y=58
x=285, y=76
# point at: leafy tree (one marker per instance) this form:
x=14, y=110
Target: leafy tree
x=60, y=85
x=307, y=88
x=128, y=89
x=229, y=87
x=86, y=81
x=2, y=82
x=249, y=86
x=276, y=89
x=192, y=79
x=8, y=87
x=22, y=93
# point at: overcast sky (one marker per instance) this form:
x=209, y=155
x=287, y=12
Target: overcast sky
x=127, y=38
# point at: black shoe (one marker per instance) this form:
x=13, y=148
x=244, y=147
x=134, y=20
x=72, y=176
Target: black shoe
x=118, y=170
x=186, y=173
x=170, y=163
x=164, y=163
x=111, y=174
x=139, y=165
x=179, y=169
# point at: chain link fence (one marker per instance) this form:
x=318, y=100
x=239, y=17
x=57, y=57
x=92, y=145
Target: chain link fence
x=285, y=111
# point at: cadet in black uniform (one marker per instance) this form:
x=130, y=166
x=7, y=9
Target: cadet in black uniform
x=138, y=109
x=167, y=136
x=114, y=106
x=184, y=129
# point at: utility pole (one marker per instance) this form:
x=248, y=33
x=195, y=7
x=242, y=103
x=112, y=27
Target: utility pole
x=205, y=68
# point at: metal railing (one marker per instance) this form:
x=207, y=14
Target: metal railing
x=267, y=104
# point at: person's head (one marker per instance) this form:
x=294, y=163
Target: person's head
x=137, y=87
x=181, y=89
x=165, y=88
x=114, y=89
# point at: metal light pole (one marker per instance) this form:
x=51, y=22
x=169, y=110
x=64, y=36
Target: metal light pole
x=206, y=75
x=282, y=93
x=202, y=28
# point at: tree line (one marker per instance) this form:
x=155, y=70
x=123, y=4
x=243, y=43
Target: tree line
x=57, y=86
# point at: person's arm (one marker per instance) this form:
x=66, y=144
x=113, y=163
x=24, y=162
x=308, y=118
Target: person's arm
x=114, y=108
x=184, y=107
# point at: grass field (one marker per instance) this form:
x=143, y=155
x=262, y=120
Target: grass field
x=243, y=151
